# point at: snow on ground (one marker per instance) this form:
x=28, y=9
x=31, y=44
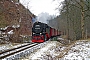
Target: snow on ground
x=5, y=47
x=53, y=50
x=48, y=52
x=79, y=50
x=9, y=46
x=41, y=51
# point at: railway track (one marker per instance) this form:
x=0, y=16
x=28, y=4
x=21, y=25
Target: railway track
x=13, y=51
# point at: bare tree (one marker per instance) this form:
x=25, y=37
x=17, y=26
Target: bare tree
x=74, y=12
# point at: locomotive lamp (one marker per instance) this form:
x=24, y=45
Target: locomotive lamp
x=33, y=33
x=40, y=33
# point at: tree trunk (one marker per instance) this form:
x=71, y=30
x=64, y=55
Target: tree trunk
x=82, y=24
x=82, y=20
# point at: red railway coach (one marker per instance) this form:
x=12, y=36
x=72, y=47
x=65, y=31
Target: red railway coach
x=42, y=32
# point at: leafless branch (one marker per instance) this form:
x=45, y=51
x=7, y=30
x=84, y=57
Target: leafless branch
x=78, y=3
x=75, y=6
x=87, y=16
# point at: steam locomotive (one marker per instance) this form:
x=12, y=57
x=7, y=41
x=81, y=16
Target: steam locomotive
x=42, y=32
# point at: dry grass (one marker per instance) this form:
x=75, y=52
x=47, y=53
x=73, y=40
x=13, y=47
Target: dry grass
x=65, y=51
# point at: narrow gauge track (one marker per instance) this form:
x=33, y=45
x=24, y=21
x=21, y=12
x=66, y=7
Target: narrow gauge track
x=13, y=51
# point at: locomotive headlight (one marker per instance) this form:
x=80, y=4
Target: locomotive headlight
x=33, y=33
x=40, y=33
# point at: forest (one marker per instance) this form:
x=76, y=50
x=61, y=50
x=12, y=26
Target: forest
x=74, y=19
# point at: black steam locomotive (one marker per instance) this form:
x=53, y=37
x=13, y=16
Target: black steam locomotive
x=42, y=32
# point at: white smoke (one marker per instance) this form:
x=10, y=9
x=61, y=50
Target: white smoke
x=43, y=9
x=44, y=17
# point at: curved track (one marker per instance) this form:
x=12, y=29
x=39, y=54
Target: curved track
x=13, y=51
